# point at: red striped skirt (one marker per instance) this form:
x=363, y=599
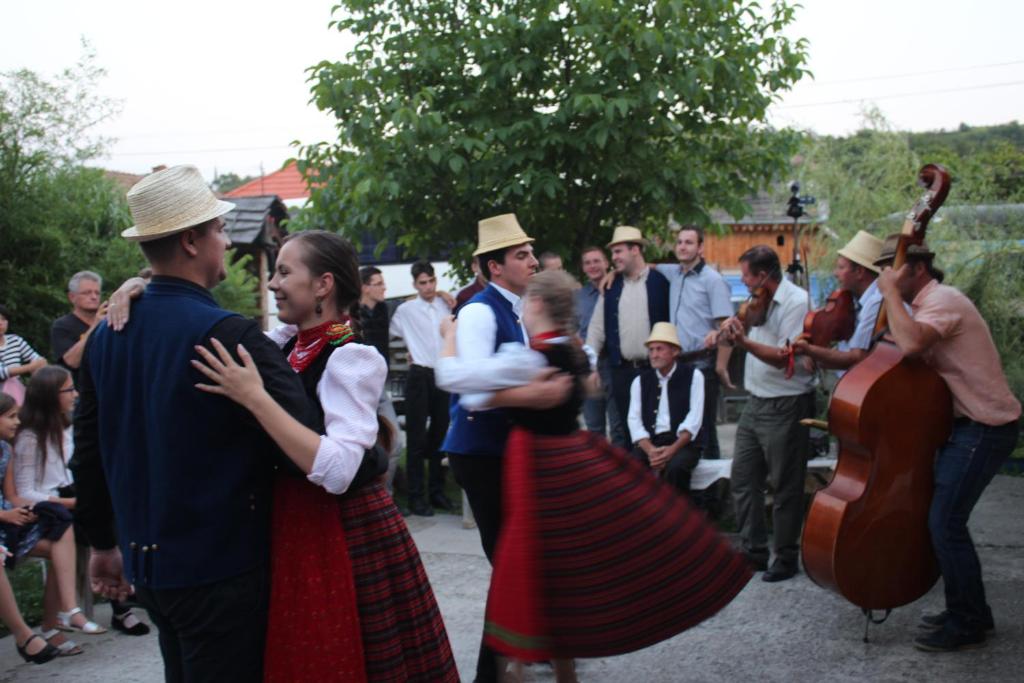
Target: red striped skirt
x=596, y=557
x=403, y=635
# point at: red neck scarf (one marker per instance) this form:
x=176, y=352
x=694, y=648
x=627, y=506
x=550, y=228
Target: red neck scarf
x=309, y=343
x=542, y=341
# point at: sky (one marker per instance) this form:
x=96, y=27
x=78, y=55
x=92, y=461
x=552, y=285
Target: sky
x=222, y=84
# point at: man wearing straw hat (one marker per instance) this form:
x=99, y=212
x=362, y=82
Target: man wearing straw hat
x=666, y=408
x=476, y=440
x=856, y=271
x=636, y=299
x=183, y=474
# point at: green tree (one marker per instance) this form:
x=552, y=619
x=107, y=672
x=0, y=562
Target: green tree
x=574, y=115
x=240, y=290
x=225, y=182
x=56, y=215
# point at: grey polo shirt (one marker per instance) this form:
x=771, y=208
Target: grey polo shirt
x=697, y=298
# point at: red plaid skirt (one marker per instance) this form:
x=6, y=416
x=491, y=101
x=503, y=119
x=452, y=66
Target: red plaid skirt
x=596, y=557
x=403, y=635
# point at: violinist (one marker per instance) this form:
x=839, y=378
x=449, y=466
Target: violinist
x=771, y=444
x=856, y=272
x=949, y=334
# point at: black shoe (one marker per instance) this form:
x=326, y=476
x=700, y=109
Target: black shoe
x=779, y=571
x=443, y=502
x=948, y=639
x=404, y=511
x=935, y=622
x=117, y=622
x=419, y=507
x=41, y=657
x=757, y=562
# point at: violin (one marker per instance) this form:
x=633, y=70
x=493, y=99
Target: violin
x=833, y=322
x=754, y=311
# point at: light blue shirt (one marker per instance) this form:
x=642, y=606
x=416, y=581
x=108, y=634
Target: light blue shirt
x=867, y=313
x=697, y=298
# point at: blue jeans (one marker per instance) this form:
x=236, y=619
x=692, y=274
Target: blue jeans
x=595, y=409
x=963, y=468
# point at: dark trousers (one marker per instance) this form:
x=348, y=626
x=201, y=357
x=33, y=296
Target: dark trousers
x=480, y=477
x=424, y=404
x=211, y=633
x=709, y=423
x=622, y=379
x=771, y=447
x=679, y=469
x=601, y=412
x=964, y=466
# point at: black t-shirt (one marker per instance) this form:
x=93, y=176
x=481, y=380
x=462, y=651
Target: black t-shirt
x=65, y=333
x=374, y=323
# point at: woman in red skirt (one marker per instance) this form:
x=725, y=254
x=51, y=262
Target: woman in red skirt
x=596, y=557
x=350, y=600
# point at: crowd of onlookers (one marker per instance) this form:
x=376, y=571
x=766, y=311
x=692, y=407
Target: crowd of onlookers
x=37, y=499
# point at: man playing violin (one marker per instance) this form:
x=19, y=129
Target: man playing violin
x=856, y=272
x=770, y=441
x=949, y=334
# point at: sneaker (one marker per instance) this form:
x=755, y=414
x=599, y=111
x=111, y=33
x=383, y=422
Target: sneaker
x=947, y=639
x=779, y=571
x=935, y=622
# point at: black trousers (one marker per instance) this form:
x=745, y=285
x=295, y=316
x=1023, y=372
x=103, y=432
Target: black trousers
x=708, y=437
x=679, y=469
x=212, y=633
x=622, y=379
x=424, y=403
x=480, y=477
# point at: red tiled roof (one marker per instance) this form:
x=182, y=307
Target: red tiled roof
x=287, y=183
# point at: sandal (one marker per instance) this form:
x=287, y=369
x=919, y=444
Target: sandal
x=41, y=657
x=66, y=646
x=129, y=624
x=90, y=628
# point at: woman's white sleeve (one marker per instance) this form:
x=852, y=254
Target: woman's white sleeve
x=348, y=391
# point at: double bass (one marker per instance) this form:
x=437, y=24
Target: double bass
x=866, y=534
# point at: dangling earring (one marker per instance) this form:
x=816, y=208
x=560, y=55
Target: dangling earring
x=319, y=308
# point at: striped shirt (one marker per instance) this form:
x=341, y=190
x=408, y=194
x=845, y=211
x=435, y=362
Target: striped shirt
x=14, y=352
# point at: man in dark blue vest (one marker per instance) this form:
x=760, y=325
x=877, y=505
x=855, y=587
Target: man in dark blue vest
x=185, y=474
x=476, y=440
x=666, y=408
x=636, y=299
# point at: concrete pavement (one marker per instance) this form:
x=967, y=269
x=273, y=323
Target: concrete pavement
x=790, y=631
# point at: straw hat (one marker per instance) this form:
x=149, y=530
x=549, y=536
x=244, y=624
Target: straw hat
x=171, y=201
x=892, y=243
x=627, y=233
x=863, y=250
x=664, y=332
x=500, y=232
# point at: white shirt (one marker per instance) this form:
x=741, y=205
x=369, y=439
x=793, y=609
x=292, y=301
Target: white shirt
x=348, y=392
x=37, y=485
x=662, y=423
x=418, y=322
x=785, y=320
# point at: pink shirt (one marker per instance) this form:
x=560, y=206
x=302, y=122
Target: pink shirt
x=965, y=356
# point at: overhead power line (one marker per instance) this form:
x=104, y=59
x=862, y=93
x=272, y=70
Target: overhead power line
x=940, y=91
x=199, y=151
x=933, y=72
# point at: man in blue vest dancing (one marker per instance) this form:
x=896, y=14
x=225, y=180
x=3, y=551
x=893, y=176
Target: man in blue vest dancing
x=476, y=440
x=623, y=318
x=185, y=474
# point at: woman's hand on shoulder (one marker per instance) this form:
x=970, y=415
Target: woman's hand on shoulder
x=241, y=383
x=120, y=304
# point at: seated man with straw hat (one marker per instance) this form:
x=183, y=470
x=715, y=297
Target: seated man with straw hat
x=856, y=271
x=184, y=476
x=666, y=407
x=636, y=299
